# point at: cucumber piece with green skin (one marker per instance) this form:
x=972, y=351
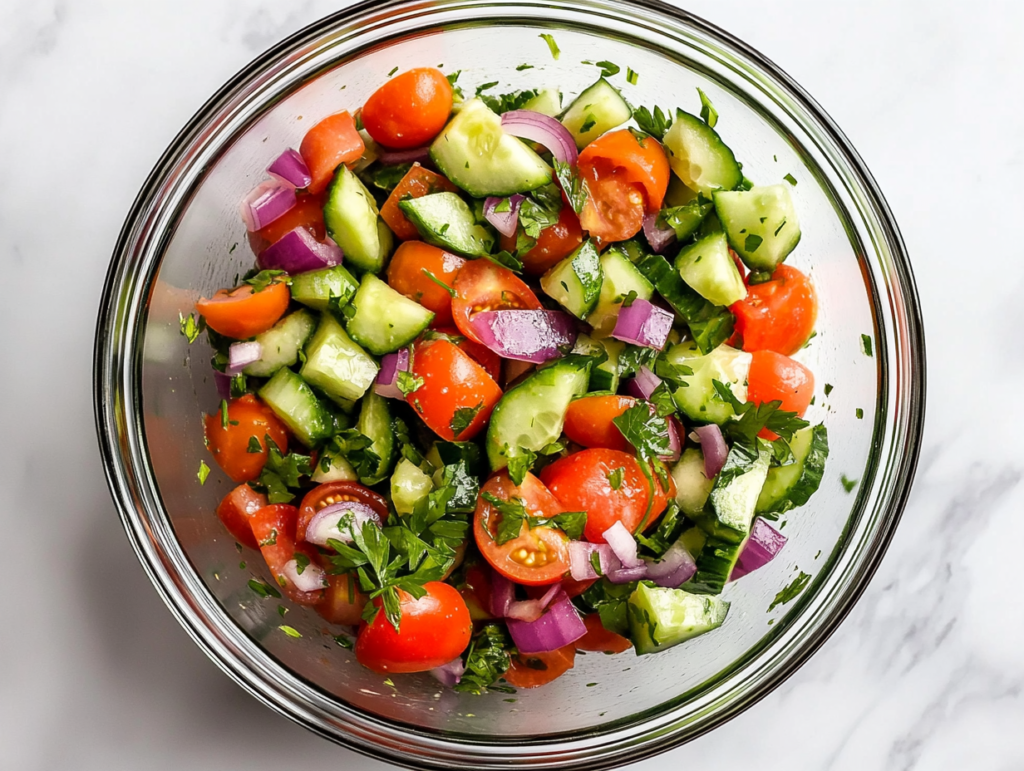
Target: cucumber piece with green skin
x=708, y=267
x=599, y=109
x=316, y=288
x=790, y=486
x=692, y=486
x=620, y=278
x=384, y=320
x=685, y=220
x=604, y=376
x=660, y=618
x=699, y=156
x=575, y=282
x=476, y=153
x=354, y=223
x=761, y=224
x=408, y=485
x=336, y=365
x=699, y=400
x=445, y=220
x=338, y=469
x=281, y=343
x=375, y=423
x=530, y=416
x=547, y=102
x=298, y=407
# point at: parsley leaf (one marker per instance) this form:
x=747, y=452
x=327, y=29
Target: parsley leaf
x=265, y=278
x=254, y=446
x=552, y=45
x=751, y=242
x=865, y=344
x=204, y=472
x=463, y=418
x=631, y=76
x=507, y=102
x=290, y=631
x=588, y=124
x=615, y=477
x=573, y=185
x=486, y=660
x=408, y=382
x=486, y=87
x=524, y=66
x=385, y=178
x=262, y=589
x=519, y=464
x=506, y=260
x=357, y=449
x=512, y=512
x=572, y=523
x=190, y=327
x=790, y=179
x=540, y=210
x=646, y=432
x=656, y=124
x=608, y=68
x=708, y=113
x=610, y=601
x=439, y=282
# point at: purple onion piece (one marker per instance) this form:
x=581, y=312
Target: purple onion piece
x=330, y=522
x=643, y=323
x=398, y=157
x=644, y=384
x=762, y=547
x=505, y=222
x=387, y=379
x=625, y=575
x=531, y=610
x=659, y=238
x=543, y=129
x=503, y=594
x=526, y=335
x=265, y=203
x=449, y=674
x=297, y=251
x=241, y=355
x=580, y=566
x=223, y=382
x=558, y=627
x=311, y=579
x=291, y=168
x=675, y=567
x=623, y=545
x=714, y=448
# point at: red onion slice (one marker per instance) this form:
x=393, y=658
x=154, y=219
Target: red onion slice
x=580, y=566
x=643, y=323
x=291, y=168
x=531, y=610
x=543, y=129
x=714, y=448
x=659, y=238
x=623, y=544
x=625, y=575
x=265, y=203
x=311, y=579
x=398, y=157
x=337, y=520
x=241, y=355
x=505, y=222
x=762, y=547
x=297, y=251
x=675, y=444
x=387, y=378
x=526, y=335
x=503, y=594
x=223, y=382
x=675, y=567
x=644, y=384
x=449, y=674
x=560, y=626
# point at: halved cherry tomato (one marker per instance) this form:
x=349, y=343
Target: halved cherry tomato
x=329, y=493
x=554, y=243
x=410, y=274
x=538, y=555
x=457, y=395
x=531, y=670
x=583, y=482
x=599, y=639
x=484, y=286
x=481, y=354
x=588, y=421
x=614, y=210
x=308, y=213
x=410, y=109
x=274, y=529
x=330, y=143
x=433, y=630
x=343, y=601
x=777, y=315
x=476, y=591
x=416, y=183
x=236, y=509
x=248, y=417
x=774, y=377
x=242, y=313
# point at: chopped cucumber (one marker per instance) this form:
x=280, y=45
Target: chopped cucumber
x=699, y=156
x=599, y=109
x=692, y=486
x=338, y=469
x=604, y=376
x=790, y=486
x=620, y=278
x=408, y=485
x=375, y=424
x=282, y=343
x=547, y=102
x=453, y=453
x=660, y=618
x=530, y=416
x=385, y=320
x=476, y=153
x=317, y=288
x=708, y=267
x=292, y=400
x=761, y=224
x=698, y=399
x=575, y=282
x=445, y=220
x=354, y=223
x=336, y=365
x=687, y=215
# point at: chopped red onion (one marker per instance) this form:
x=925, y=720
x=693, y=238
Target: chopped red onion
x=503, y=594
x=543, y=129
x=297, y=251
x=241, y=355
x=623, y=545
x=715, y=450
x=291, y=168
x=527, y=335
x=625, y=575
x=387, y=378
x=675, y=429
x=223, y=382
x=531, y=610
x=398, y=157
x=555, y=629
x=643, y=323
x=580, y=566
x=675, y=567
x=311, y=579
x=265, y=203
x=643, y=385
x=504, y=222
x=762, y=547
x=337, y=520
x=449, y=674
x=659, y=238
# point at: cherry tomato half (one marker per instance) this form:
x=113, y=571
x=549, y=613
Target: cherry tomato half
x=774, y=377
x=416, y=183
x=242, y=313
x=248, y=417
x=236, y=509
x=483, y=286
x=481, y=354
x=330, y=143
x=343, y=601
x=274, y=529
x=414, y=271
x=588, y=421
x=554, y=243
x=536, y=669
x=410, y=109
x=777, y=315
x=599, y=639
x=329, y=493
x=308, y=213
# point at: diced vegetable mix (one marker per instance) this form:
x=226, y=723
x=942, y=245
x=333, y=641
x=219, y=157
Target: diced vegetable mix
x=537, y=368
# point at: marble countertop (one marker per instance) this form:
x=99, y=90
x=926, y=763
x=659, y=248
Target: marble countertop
x=926, y=673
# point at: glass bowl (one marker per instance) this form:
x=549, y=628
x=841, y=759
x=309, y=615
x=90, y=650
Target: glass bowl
x=183, y=238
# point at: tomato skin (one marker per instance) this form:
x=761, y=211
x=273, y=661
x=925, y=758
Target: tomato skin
x=588, y=421
x=308, y=213
x=482, y=285
x=328, y=493
x=416, y=183
x=236, y=509
x=774, y=377
x=274, y=529
x=614, y=210
x=330, y=143
x=247, y=417
x=481, y=354
x=241, y=313
x=433, y=631
x=599, y=639
x=407, y=274
x=545, y=545
x=410, y=109
x=536, y=669
x=554, y=243
x=777, y=315
x=336, y=607
x=580, y=483
x=476, y=591
x=451, y=381
x=634, y=161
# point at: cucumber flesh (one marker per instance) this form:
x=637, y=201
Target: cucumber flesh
x=336, y=365
x=575, y=282
x=354, y=223
x=599, y=109
x=445, y=220
x=620, y=278
x=408, y=485
x=604, y=376
x=692, y=486
x=660, y=618
x=698, y=399
x=281, y=343
x=547, y=102
x=294, y=402
x=316, y=288
x=385, y=320
x=761, y=224
x=375, y=423
x=699, y=156
x=790, y=486
x=708, y=267
x=338, y=469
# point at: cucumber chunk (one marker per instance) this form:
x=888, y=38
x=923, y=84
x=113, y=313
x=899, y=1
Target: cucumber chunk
x=604, y=376
x=660, y=618
x=692, y=486
x=790, y=486
x=620, y=278
x=281, y=343
x=385, y=320
x=599, y=109
x=316, y=288
x=408, y=485
x=338, y=469
x=375, y=423
x=475, y=153
x=699, y=156
x=699, y=400
x=761, y=224
x=708, y=268
x=336, y=365
x=292, y=400
x=354, y=223
x=531, y=415
x=575, y=282
x=445, y=220
x=547, y=102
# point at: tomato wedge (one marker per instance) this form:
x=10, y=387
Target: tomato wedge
x=416, y=183
x=777, y=315
x=343, y=601
x=484, y=286
x=329, y=493
x=599, y=639
x=248, y=417
x=588, y=421
x=774, y=377
x=236, y=509
x=330, y=143
x=481, y=354
x=554, y=243
x=243, y=313
x=536, y=669
x=415, y=270
x=410, y=109
x=308, y=213
x=274, y=529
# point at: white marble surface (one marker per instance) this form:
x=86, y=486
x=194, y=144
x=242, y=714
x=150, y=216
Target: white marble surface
x=928, y=671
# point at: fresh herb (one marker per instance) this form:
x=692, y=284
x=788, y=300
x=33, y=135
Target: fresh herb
x=633, y=357
x=290, y=631
x=506, y=260
x=282, y=473
x=656, y=124
x=751, y=419
x=540, y=210
x=263, y=590
x=224, y=414
x=191, y=327
x=865, y=344
x=409, y=450
x=860, y=414
x=615, y=477
x=452, y=78
x=629, y=298
x=439, y=282
x=610, y=601
x=670, y=528
x=780, y=227
x=522, y=67
x=301, y=562
x=204, y=472
x=346, y=642
x=631, y=76
x=507, y=102
x=486, y=660
x=848, y=484
x=588, y=124
x=708, y=113
x=513, y=514
x=828, y=388
x=790, y=592
x=385, y=178
x=573, y=185
x=486, y=87
x=790, y=179
x=254, y=446
x=408, y=382
x=519, y=464
x=608, y=69
x=751, y=242
x=649, y=435
x=552, y=45
x=265, y=278
x=281, y=610
x=357, y=449
x=463, y=418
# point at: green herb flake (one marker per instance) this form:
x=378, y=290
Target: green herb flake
x=439, y=282
x=615, y=478
x=790, y=592
x=263, y=590
x=608, y=68
x=708, y=113
x=265, y=278
x=655, y=123
x=860, y=414
x=631, y=76
x=591, y=685
x=519, y=464
x=848, y=484
x=790, y=179
x=190, y=327
x=408, y=382
x=780, y=227
x=463, y=418
x=573, y=185
x=290, y=631
x=254, y=446
x=345, y=642
x=281, y=610
x=552, y=45
x=588, y=124
x=524, y=66
x=393, y=71
x=751, y=243
x=204, y=472
x=828, y=388
x=486, y=87
x=241, y=565
x=865, y=344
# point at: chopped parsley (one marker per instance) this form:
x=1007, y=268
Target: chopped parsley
x=463, y=418
x=848, y=484
x=751, y=242
x=588, y=124
x=790, y=592
x=265, y=278
x=615, y=477
x=524, y=66
x=486, y=87
x=865, y=344
x=790, y=179
x=281, y=610
x=393, y=71
x=828, y=388
x=486, y=660
x=282, y=473
x=656, y=124
x=290, y=631
x=519, y=464
x=452, y=79
x=708, y=113
x=608, y=68
x=540, y=210
x=507, y=102
x=631, y=76
x=263, y=590
x=513, y=515
x=439, y=282
x=204, y=472
x=356, y=448
x=190, y=327
x=552, y=45
x=573, y=185
x=254, y=446
x=408, y=383
x=224, y=414
x=860, y=414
